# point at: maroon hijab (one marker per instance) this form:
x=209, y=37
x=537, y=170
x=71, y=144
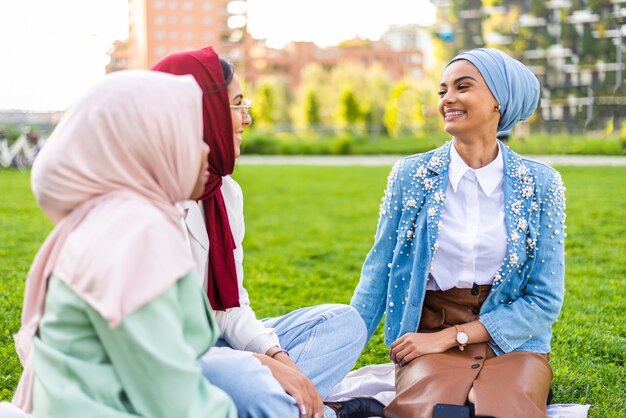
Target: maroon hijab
x=204, y=65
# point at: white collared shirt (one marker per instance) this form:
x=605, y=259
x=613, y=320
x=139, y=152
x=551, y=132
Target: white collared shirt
x=472, y=237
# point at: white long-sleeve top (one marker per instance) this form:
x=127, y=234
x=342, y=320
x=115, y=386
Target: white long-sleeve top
x=239, y=326
x=472, y=237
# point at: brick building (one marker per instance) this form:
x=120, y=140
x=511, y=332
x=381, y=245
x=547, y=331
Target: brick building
x=288, y=62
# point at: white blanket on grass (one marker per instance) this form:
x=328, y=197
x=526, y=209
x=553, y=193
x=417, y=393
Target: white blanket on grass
x=378, y=381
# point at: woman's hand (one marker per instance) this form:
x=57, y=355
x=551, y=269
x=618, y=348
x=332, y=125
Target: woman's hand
x=295, y=384
x=415, y=344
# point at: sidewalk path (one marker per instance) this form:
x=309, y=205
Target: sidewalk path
x=388, y=160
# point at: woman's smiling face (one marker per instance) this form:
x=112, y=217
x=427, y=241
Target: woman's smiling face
x=465, y=101
x=240, y=118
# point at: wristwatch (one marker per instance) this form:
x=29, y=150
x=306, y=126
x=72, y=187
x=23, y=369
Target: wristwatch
x=461, y=337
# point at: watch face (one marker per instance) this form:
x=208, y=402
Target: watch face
x=462, y=337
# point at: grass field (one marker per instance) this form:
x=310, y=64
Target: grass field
x=309, y=229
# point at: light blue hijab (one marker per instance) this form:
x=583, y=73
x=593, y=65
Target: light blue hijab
x=513, y=85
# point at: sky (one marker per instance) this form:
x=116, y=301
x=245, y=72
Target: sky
x=51, y=51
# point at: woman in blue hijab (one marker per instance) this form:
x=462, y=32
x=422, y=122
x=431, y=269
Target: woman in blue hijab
x=468, y=259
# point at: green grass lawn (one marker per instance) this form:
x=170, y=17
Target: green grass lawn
x=309, y=229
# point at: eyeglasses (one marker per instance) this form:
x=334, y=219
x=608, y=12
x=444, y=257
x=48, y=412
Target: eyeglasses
x=244, y=107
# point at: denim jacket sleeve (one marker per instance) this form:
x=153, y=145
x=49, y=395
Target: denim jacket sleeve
x=371, y=292
x=531, y=294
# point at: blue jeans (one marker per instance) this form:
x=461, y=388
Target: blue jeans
x=324, y=341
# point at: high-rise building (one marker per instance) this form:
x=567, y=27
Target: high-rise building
x=160, y=27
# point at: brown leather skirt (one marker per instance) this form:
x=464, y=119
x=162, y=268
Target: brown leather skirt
x=511, y=385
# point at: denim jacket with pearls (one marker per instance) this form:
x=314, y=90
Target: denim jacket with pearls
x=527, y=291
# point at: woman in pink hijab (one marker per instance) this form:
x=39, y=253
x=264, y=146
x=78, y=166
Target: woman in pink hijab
x=113, y=320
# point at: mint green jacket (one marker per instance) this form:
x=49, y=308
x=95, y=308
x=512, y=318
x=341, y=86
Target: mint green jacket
x=145, y=367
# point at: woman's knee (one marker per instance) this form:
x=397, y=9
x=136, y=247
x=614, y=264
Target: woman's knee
x=346, y=320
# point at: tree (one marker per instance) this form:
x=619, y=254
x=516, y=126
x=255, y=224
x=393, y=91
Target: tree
x=348, y=89
x=264, y=104
x=311, y=109
x=374, y=97
x=405, y=109
x=349, y=111
x=391, y=118
x=313, y=91
x=269, y=103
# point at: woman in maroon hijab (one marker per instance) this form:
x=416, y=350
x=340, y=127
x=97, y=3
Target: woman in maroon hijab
x=306, y=352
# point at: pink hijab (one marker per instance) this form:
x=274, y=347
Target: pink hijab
x=109, y=178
